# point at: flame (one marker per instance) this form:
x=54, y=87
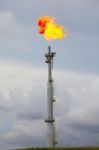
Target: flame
x=49, y=29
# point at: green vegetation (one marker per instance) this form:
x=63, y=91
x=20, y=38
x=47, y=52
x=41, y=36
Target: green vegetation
x=72, y=148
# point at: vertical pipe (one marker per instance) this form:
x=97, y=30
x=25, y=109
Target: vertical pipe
x=49, y=65
x=50, y=119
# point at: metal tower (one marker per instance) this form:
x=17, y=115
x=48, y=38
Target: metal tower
x=51, y=141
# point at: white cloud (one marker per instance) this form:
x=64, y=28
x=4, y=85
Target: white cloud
x=24, y=90
x=15, y=75
x=8, y=25
x=13, y=34
x=24, y=131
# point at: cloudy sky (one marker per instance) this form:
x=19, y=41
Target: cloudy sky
x=23, y=73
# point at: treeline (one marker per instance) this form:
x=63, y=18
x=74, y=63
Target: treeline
x=71, y=148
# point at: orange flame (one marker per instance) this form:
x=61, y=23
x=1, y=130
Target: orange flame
x=49, y=29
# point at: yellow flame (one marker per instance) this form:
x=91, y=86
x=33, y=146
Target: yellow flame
x=53, y=32
x=49, y=29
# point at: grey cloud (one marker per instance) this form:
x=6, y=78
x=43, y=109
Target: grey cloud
x=31, y=106
x=85, y=127
x=80, y=126
x=80, y=49
x=77, y=105
x=29, y=116
x=78, y=13
x=4, y=104
x=77, y=109
x=26, y=134
x=11, y=28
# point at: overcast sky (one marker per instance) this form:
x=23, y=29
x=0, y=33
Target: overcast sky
x=23, y=73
